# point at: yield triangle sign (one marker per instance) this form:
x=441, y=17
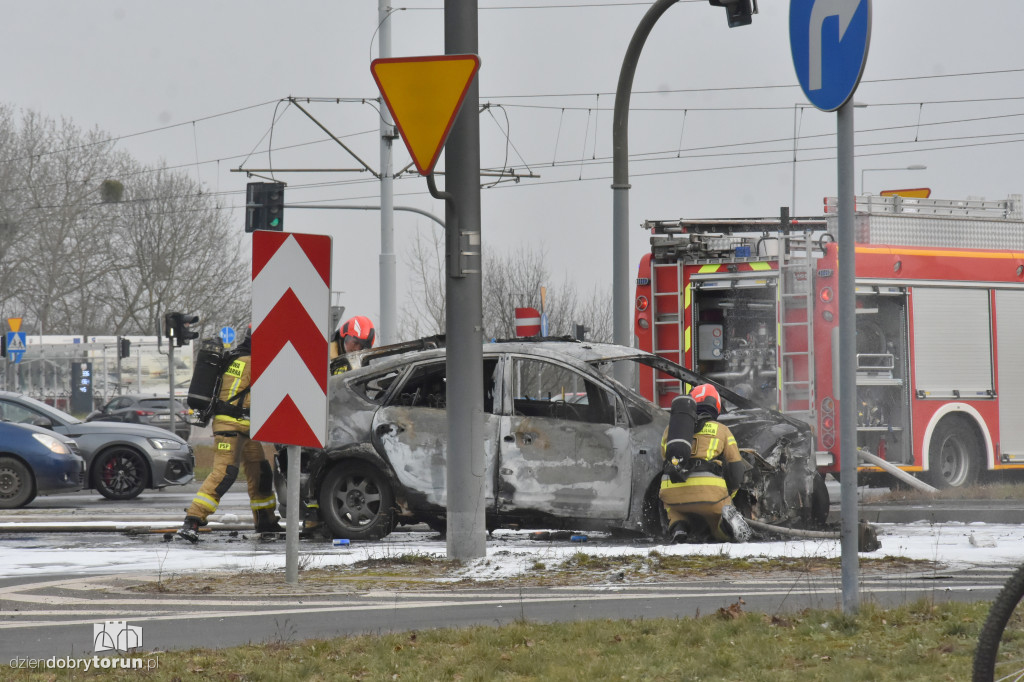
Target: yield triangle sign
x=424, y=94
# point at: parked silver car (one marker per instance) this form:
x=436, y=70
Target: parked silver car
x=139, y=408
x=123, y=459
x=552, y=459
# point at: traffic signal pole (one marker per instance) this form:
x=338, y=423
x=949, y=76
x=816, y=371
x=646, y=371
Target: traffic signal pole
x=170, y=381
x=621, y=326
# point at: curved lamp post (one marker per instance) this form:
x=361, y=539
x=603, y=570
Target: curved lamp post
x=738, y=13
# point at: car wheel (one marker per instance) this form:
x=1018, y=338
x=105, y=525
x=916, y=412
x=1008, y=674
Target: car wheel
x=120, y=473
x=17, y=485
x=355, y=501
x=954, y=454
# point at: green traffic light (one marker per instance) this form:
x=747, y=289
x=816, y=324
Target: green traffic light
x=275, y=222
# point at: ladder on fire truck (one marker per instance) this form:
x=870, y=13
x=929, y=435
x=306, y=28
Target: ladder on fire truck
x=795, y=338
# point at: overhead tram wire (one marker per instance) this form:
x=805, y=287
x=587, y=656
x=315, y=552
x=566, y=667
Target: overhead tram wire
x=142, y=132
x=639, y=156
x=574, y=162
x=538, y=183
x=548, y=95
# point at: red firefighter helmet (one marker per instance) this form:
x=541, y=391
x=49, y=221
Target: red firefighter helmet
x=707, y=395
x=359, y=328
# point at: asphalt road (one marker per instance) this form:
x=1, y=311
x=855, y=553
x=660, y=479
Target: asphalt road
x=56, y=617
x=57, y=614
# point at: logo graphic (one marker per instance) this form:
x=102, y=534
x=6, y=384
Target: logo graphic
x=115, y=635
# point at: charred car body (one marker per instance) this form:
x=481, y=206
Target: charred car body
x=565, y=444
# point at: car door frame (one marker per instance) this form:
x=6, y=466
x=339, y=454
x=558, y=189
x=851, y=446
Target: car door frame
x=532, y=484
x=419, y=457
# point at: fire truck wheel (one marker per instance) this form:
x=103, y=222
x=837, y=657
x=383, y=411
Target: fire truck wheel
x=954, y=454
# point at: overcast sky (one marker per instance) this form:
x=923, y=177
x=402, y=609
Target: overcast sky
x=197, y=85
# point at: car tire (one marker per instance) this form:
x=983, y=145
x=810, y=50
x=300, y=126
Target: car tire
x=17, y=485
x=954, y=454
x=120, y=473
x=820, y=502
x=356, y=501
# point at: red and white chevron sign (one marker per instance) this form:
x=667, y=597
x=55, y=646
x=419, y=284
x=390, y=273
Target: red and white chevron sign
x=291, y=298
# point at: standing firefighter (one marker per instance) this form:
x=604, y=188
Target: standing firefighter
x=231, y=438
x=703, y=474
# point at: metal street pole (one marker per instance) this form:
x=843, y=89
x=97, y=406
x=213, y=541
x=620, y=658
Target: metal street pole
x=847, y=363
x=170, y=381
x=467, y=531
x=388, y=325
x=621, y=327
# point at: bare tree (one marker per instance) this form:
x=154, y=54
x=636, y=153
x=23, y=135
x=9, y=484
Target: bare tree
x=425, y=314
x=63, y=257
x=510, y=280
x=91, y=242
x=181, y=253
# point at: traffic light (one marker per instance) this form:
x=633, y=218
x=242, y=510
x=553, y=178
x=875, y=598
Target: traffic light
x=264, y=206
x=181, y=327
x=581, y=332
x=273, y=205
x=738, y=12
x=124, y=347
x=172, y=325
x=189, y=328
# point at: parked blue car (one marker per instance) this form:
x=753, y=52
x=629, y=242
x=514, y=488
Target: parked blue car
x=35, y=461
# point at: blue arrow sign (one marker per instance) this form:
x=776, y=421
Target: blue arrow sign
x=829, y=41
x=227, y=334
x=543, y=324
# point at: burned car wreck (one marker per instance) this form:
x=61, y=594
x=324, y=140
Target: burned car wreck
x=566, y=446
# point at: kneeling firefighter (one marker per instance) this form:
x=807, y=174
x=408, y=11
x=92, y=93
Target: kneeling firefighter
x=703, y=471
x=231, y=439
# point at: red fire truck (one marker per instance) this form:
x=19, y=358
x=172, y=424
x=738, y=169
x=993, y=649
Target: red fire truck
x=752, y=304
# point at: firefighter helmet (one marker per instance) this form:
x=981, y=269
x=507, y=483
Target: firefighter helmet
x=359, y=328
x=706, y=396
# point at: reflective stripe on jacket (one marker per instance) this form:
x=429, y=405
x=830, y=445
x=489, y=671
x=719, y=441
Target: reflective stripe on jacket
x=234, y=381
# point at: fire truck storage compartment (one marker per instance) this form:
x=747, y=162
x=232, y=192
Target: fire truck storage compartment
x=1010, y=336
x=734, y=337
x=883, y=424
x=952, y=343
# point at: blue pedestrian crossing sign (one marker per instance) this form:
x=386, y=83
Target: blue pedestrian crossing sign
x=829, y=41
x=227, y=335
x=15, y=345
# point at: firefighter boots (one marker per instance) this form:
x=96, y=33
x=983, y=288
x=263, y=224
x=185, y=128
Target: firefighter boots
x=677, y=534
x=190, y=529
x=266, y=522
x=736, y=524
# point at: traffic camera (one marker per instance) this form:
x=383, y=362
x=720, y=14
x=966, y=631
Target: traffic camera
x=738, y=12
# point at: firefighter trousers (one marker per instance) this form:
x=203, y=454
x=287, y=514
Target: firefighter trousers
x=698, y=503
x=228, y=445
